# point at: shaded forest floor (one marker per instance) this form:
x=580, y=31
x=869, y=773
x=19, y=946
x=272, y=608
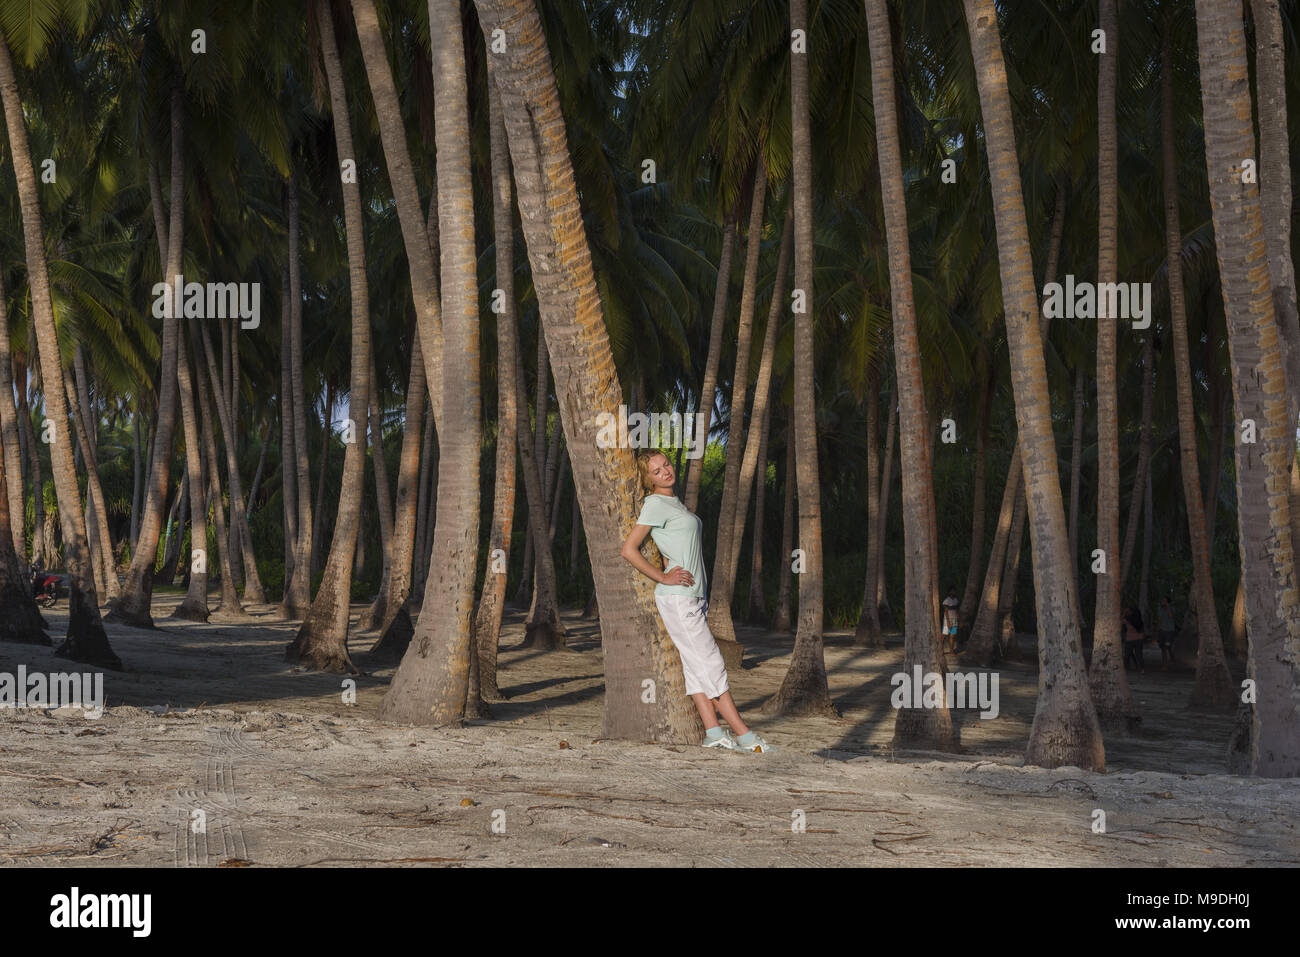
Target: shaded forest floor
x=209, y=722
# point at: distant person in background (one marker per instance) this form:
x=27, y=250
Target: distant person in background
x=1168, y=631
x=949, y=618
x=1133, y=638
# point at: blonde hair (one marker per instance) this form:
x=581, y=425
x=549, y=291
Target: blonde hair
x=643, y=469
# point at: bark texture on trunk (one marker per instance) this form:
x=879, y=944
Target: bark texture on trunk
x=636, y=645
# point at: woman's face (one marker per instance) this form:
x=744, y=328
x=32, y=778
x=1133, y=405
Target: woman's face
x=661, y=473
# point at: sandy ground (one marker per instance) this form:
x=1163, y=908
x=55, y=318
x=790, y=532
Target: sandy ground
x=213, y=751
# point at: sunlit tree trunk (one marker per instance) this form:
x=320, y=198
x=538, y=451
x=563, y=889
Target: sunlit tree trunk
x=804, y=689
x=1065, y=729
x=1260, y=392
x=636, y=645
x=321, y=642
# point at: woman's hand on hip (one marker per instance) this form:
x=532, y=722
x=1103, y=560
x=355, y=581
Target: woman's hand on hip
x=677, y=576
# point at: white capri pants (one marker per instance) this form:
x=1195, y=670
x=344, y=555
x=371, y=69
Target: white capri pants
x=702, y=664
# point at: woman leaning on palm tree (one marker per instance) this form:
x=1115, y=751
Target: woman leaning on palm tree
x=680, y=595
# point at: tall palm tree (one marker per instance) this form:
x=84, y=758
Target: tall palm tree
x=1259, y=392
x=637, y=648
x=487, y=625
x=321, y=642
x=1106, y=676
x=804, y=689
x=133, y=607
x=296, y=600
x=430, y=685
x=1065, y=728
x=722, y=581
x=915, y=727
x=86, y=639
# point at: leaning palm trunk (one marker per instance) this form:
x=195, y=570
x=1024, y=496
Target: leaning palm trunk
x=419, y=234
x=322, y=641
x=722, y=583
x=432, y=682
x=1260, y=392
x=928, y=728
x=804, y=689
x=391, y=616
x=203, y=383
x=195, y=605
x=1213, y=688
x=1106, y=676
x=86, y=640
x=703, y=421
x=240, y=533
x=96, y=516
x=297, y=590
x=1275, y=195
x=1065, y=729
x=755, y=461
x=636, y=645
x=487, y=625
x=133, y=607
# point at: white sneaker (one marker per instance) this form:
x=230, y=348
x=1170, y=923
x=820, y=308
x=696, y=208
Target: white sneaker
x=725, y=741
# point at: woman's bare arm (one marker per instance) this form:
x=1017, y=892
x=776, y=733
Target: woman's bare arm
x=632, y=552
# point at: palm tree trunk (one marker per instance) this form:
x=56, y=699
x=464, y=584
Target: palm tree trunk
x=240, y=532
x=10, y=443
x=970, y=594
x=203, y=383
x=96, y=516
x=757, y=612
x=917, y=727
x=20, y=619
x=322, y=640
x=1143, y=462
x=804, y=689
x=288, y=451
x=755, y=461
x=703, y=422
x=1261, y=394
x=882, y=519
x=418, y=231
x=133, y=607
x=487, y=625
x=1213, y=688
x=195, y=605
x=1106, y=677
x=543, y=628
x=636, y=645
x=391, y=616
x=867, y=633
x=1076, y=470
x=431, y=684
x=781, y=619
x=86, y=640
x=1065, y=729
x=297, y=593
x=722, y=585
x=1275, y=197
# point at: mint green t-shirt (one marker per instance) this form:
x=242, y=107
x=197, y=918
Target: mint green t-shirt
x=678, y=533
